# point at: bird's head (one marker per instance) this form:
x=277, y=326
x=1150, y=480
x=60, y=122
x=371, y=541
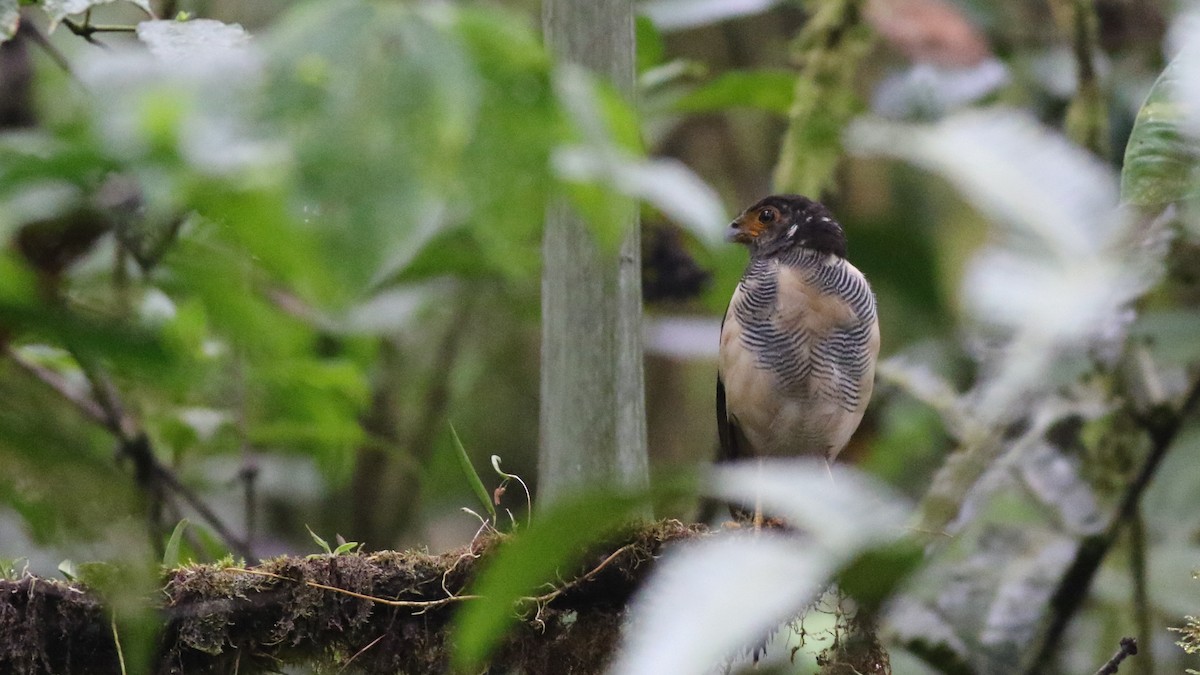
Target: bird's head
x=780, y=222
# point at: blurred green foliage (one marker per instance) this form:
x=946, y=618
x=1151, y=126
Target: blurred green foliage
x=289, y=254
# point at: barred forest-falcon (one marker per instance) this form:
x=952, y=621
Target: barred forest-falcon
x=799, y=340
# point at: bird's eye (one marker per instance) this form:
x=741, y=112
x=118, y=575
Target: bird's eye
x=768, y=215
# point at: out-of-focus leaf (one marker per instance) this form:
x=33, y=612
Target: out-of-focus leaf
x=471, y=475
x=1162, y=155
x=650, y=46
x=982, y=594
x=180, y=41
x=1169, y=334
x=554, y=541
x=665, y=184
x=119, y=343
x=385, y=313
x=769, y=90
x=673, y=15
x=840, y=508
x=708, y=600
x=928, y=91
x=61, y=9
x=873, y=576
x=10, y=18
x=714, y=598
x=1067, y=265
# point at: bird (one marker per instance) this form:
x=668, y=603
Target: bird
x=799, y=340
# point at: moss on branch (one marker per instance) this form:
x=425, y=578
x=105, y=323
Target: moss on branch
x=378, y=612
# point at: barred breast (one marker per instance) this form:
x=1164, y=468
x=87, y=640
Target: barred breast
x=796, y=365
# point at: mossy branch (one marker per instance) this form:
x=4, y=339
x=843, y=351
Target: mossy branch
x=379, y=612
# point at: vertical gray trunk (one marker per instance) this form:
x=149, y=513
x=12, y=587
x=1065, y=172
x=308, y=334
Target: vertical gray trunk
x=593, y=420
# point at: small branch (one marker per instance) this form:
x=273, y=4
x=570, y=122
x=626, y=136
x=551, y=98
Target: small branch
x=328, y=610
x=1141, y=595
x=570, y=585
x=105, y=410
x=86, y=30
x=84, y=404
x=423, y=605
x=53, y=52
x=1128, y=648
x=235, y=543
x=1077, y=579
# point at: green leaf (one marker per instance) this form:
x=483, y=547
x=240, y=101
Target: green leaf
x=874, y=575
x=346, y=547
x=651, y=50
x=769, y=90
x=170, y=558
x=464, y=461
x=320, y=542
x=1161, y=157
x=10, y=19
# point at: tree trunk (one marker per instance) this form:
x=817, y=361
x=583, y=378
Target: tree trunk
x=593, y=421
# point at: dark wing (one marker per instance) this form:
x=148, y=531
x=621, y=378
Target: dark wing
x=727, y=430
x=732, y=441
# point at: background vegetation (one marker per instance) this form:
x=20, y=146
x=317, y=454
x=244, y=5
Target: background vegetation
x=257, y=262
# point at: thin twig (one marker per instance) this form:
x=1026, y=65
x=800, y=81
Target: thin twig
x=85, y=30
x=202, y=509
x=1141, y=595
x=27, y=28
x=415, y=604
x=84, y=404
x=548, y=597
x=1129, y=647
x=358, y=653
x=105, y=409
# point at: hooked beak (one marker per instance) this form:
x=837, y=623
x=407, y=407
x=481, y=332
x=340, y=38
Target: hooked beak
x=743, y=230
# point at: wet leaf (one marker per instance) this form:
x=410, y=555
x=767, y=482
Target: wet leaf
x=1161, y=156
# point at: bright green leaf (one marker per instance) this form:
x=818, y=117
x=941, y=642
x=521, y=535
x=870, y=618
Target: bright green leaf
x=471, y=475
x=345, y=547
x=651, y=50
x=320, y=542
